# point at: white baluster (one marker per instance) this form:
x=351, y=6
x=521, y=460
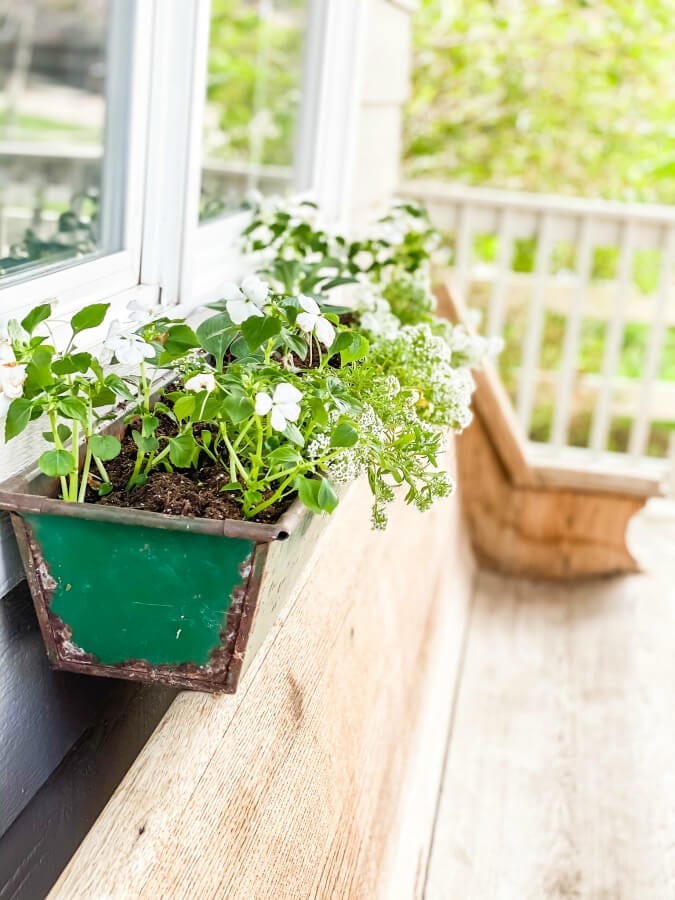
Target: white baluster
x=566, y=377
x=495, y=323
x=613, y=340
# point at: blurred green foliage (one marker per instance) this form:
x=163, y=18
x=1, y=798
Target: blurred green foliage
x=254, y=80
x=571, y=97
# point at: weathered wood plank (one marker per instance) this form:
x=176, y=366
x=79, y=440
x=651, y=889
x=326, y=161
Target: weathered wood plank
x=291, y=787
x=559, y=778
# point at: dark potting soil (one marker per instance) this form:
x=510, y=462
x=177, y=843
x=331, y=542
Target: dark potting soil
x=183, y=492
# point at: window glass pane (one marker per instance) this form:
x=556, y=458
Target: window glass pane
x=52, y=119
x=253, y=99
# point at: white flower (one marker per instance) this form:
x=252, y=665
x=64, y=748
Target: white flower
x=311, y=320
x=141, y=310
x=202, y=382
x=247, y=300
x=363, y=259
x=130, y=349
x=284, y=405
x=6, y=353
x=12, y=377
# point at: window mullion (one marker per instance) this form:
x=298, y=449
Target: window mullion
x=178, y=88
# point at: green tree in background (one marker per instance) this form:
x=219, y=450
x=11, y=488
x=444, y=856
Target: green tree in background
x=565, y=96
x=255, y=68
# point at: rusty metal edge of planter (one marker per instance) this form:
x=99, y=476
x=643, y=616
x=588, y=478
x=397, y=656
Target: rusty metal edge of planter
x=32, y=491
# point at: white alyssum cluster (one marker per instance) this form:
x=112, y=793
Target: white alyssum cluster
x=472, y=349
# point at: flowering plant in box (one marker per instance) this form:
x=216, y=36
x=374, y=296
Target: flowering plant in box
x=278, y=392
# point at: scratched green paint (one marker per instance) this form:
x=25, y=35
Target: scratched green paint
x=132, y=592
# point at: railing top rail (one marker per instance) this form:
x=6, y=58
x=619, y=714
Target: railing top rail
x=453, y=194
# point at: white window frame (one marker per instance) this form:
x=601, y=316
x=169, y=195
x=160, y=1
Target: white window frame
x=199, y=257
x=154, y=153
x=90, y=280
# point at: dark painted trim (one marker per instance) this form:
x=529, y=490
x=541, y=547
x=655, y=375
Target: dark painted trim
x=66, y=741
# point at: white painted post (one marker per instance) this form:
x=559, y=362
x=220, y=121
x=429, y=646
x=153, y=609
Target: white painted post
x=495, y=323
x=563, y=406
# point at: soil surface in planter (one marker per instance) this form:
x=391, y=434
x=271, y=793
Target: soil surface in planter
x=183, y=492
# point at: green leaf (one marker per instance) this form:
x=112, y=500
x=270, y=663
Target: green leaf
x=73, y=408
x=39, y=371
x=294, y=434
x=231, y=486
x=319, y=411
x=317, y=494
x=238, y=407
x=104, y=446
x=89, y=317
x=326, y=496
x=149, y=424
x=103, y=397
x=37, y=315
x=297, y=344
x=74, y=362
x=184, y=406
x=357, y=350
x=258, y=330
x=63, y=432
x=183, y=450
x=180, y=339
x=105, y=489
x=119, y=387
x=145, y=444
x=18, y=416
x=337, y=282
x=284, y=456
x=56, y=462
x=344, y=435
x=216, y=334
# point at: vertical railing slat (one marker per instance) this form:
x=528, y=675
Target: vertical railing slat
x=527, y=381
x=463, y=251
x=563, y=405
x=495, y=322
x=637, y=445
x=613, y=341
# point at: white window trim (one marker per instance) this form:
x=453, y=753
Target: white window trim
x=324, y=146
x=88, y=281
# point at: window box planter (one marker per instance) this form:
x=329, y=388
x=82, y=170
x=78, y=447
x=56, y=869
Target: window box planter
x=150, y=597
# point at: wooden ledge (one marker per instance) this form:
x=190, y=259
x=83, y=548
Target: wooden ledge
x=292, y=786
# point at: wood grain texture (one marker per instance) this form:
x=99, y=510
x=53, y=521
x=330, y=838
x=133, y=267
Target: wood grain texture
x=291, y=787
x=559, y=781
x=535, y=531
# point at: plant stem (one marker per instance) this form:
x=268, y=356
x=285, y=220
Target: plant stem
x=101, y=469
x=85, y=475
x=234, y=459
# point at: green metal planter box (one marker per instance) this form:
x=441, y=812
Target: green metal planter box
x=152, y=597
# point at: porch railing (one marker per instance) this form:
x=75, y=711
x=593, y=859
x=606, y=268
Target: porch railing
x=583, y=293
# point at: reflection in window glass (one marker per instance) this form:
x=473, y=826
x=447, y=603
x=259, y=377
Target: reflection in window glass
x=52, y=111
x=253, y=100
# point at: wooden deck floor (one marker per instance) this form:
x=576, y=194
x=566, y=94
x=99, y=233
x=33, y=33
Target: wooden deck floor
x=560, y=773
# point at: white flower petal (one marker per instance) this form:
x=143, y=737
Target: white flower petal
x=202, y=382
x=277, y=419
x=287, y=393
x=306, y=321
x=6, y=353
x=241, y=310
x=263, y=403
x=309, y=305
x=255, y=289
x=324, y=331
x=4, y=404
x=231, y=291
x=290, y=411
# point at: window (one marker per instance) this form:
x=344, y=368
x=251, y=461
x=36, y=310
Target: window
x=53, y=80
x=254, y=96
